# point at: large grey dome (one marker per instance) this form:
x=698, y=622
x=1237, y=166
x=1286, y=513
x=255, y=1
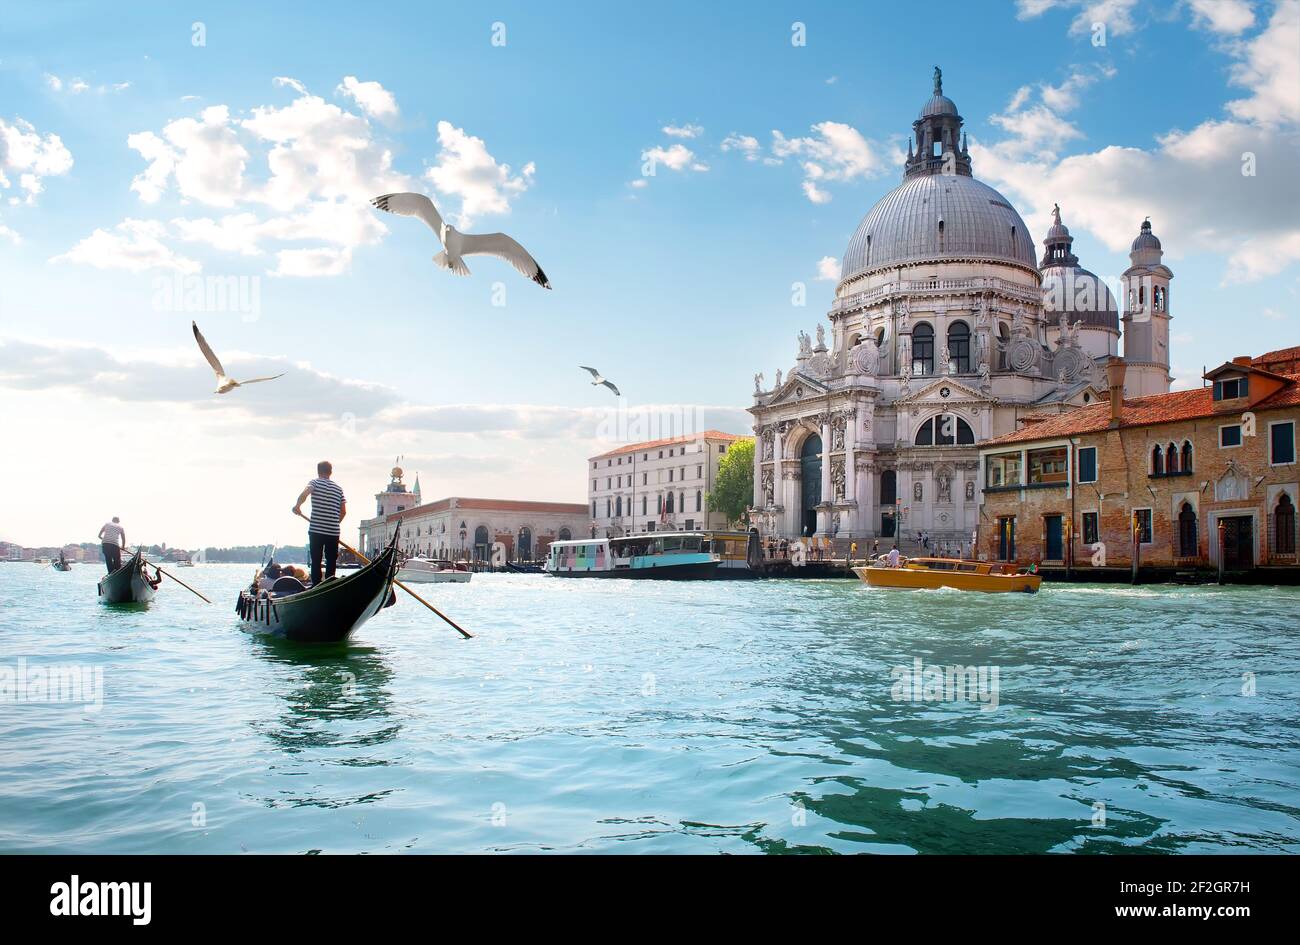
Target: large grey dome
x=938, y=216
x=1081, y=295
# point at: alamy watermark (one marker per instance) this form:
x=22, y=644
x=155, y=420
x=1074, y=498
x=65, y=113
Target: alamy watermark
x=921, y=683
x=49, y=684
x=195, y=294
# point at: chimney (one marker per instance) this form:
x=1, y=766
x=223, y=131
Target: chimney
x=1115, y=371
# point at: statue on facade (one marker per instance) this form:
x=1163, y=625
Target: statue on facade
x=837, y=477
x=767, y=487
x=904, y=313
x=805, y=345
x=945, y=359
x=769, y=445
x=778, y=379
x=758, y=383
x=838, y=425
x=821, y=337
x=918, y=491
x=945, y=488
x=970, y=490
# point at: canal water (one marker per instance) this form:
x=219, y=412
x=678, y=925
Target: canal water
x=647, y=717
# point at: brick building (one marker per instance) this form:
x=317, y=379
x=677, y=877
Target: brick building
x=1182, y=480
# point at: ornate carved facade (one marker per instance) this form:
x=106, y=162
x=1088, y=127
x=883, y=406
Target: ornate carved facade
x=945, y=331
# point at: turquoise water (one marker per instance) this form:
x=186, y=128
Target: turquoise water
x=640, y=717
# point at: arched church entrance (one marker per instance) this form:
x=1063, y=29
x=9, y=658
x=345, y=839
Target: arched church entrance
x=482, y=543
x=810, y=479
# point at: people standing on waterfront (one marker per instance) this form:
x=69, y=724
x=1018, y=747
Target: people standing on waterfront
x=112, y=539
x=893, y=557
x=328, y=508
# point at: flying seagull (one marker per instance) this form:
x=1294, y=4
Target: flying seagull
x=600, y=380
x=224, y=384
x=457, y=245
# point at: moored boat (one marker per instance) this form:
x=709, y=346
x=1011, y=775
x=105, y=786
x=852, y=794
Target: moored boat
x=932, y=573
x=422, y=570
x=665, y=556
x=328, y=612
x=129, y=584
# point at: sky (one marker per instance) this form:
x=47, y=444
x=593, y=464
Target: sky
x=160, y=166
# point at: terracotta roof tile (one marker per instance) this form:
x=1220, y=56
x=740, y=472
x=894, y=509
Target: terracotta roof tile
x=1143, y=411
x=670, y=441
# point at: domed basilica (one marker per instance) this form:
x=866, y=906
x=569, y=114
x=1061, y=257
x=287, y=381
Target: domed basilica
x=946, y=331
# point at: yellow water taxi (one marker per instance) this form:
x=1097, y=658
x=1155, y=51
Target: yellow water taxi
x=918, y=573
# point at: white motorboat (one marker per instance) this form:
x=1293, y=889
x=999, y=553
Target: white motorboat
x=421, y=570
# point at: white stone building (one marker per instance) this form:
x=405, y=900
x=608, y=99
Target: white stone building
x=945, y=331
x=462, y=527
x=658, y=485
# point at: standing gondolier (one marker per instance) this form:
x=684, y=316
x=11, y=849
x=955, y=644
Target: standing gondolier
x=328, y=508
x=112, y=539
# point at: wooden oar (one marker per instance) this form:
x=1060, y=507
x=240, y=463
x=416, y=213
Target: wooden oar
x=463, y=632
x=176, y=579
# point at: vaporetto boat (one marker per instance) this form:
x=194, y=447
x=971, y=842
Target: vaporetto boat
x=663, y=556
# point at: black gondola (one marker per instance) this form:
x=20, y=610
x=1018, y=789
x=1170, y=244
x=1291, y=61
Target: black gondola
x=327, y=613
x=129, y=584
x=61, y=563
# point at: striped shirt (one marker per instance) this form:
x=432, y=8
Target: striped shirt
x=113, y=534
x=326, y=506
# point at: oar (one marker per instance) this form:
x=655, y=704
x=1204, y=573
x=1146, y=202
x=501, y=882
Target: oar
x=176, y=579
x=463, y=632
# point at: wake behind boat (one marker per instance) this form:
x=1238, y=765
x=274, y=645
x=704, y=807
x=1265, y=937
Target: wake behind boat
x=658, y=556
x=962, y=575
x=328, y=612
x=129, y=584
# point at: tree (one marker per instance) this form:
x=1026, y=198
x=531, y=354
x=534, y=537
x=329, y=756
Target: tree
x=733, y=490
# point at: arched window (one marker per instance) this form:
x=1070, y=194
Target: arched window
x=880, y=337
x=699, y=501
x=566, y=535
x=669, y=510
x=1004, y=335
x=1187, y=531
x=618, y=506
x=1186, y=464
x=923, y=349
x=1157, y=461
x=1171, y=458
x=1284, y=526
x=1158, y=294
x=959, y=346
x=946, y=429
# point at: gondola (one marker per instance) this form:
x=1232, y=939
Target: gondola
x=129, y=584
x=329, y=612
x=61, y=563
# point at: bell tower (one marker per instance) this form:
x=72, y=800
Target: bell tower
x=395, y=498
x=940, y=147
x=1146, y=317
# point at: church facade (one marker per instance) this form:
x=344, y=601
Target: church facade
x=946, y=331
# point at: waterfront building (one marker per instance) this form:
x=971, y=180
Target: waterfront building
x=1182, y=480
x=946, y=329
x=658, y=485
x=460, y=527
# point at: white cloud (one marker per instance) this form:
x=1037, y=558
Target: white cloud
x=828, y=269
x=464, y=168
x=1109, y=191
x=54, y=82
x=1270, y=69
x=1117, y=15
x=374, y=99
x=838, y=152
x=301, y=174
x=746, y=144
x=77, y=86
x=1229, y=17
x=29, y=156
x=203, y=156
x=133, y=245
x=675, y=157
x=683, y=131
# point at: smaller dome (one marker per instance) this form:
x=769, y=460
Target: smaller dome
x=1058, y=232
x=938, y=105
x=1146, y=239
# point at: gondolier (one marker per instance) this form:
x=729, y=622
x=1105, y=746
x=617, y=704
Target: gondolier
x=328, y=509
x=112, y=539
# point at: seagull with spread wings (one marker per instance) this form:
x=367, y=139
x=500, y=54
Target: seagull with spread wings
x=457, y=245
x=599, y=381
x=225, y=384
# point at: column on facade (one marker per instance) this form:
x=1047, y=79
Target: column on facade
x=826, y=458
x=758, y=470
x=904, y=485
x=850, y=466
x=959, y=498
x=778, y=468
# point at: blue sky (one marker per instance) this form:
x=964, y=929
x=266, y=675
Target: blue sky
x=677, y=286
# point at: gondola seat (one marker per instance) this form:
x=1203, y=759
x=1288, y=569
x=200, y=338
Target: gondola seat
x=288, y=585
